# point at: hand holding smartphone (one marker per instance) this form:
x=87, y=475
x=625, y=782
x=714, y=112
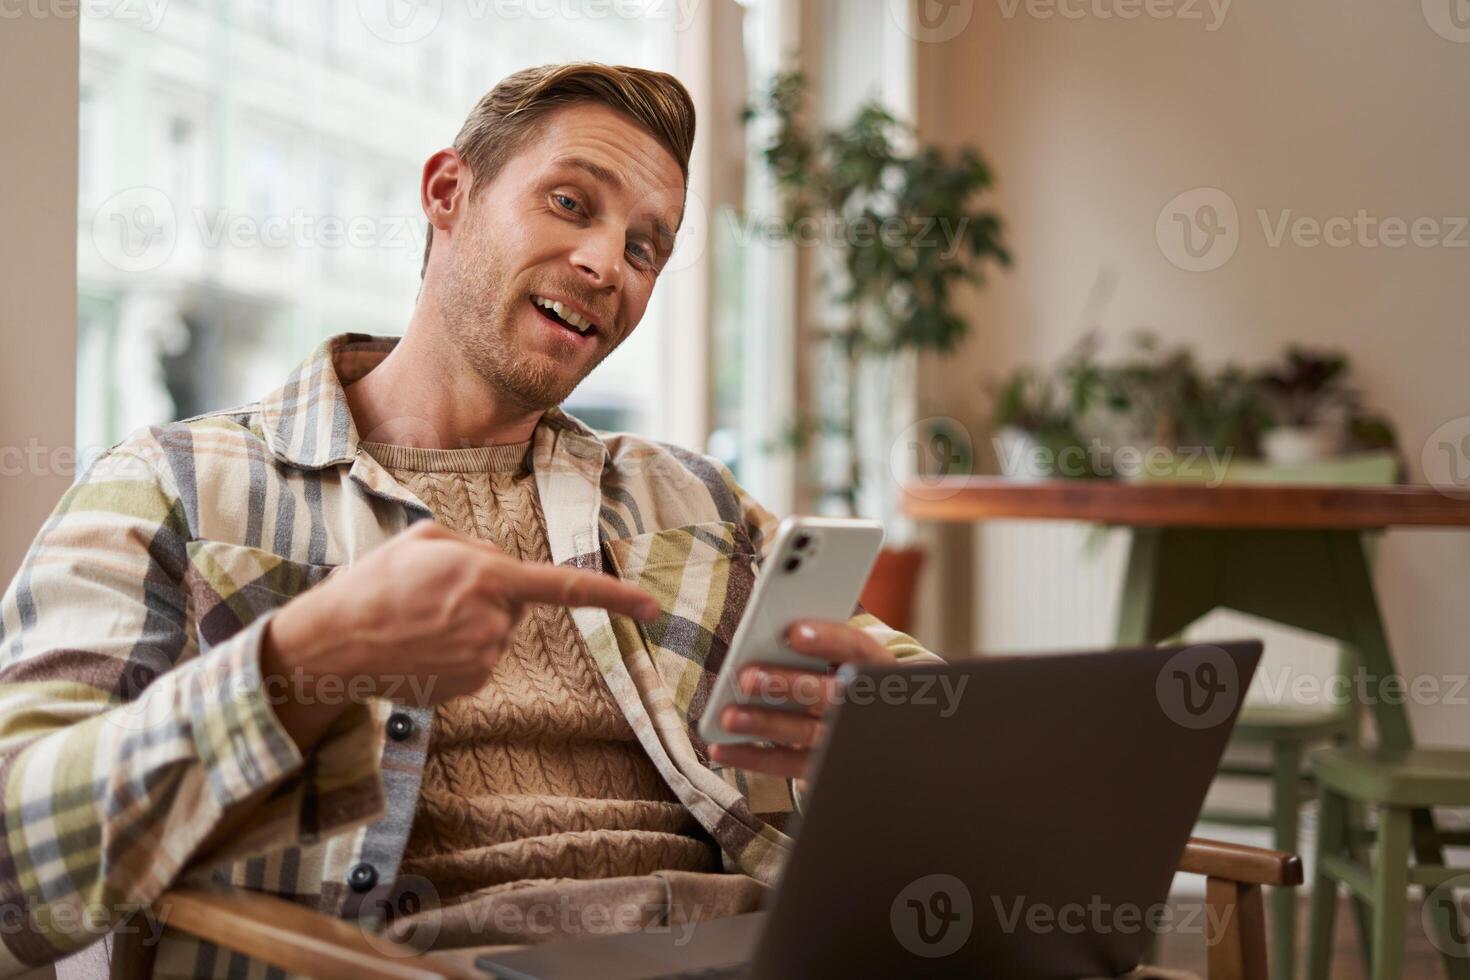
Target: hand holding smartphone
x=815, y=569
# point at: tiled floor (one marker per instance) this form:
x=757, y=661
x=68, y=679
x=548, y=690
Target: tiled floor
x=1421, y=959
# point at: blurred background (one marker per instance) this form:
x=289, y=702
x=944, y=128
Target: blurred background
x=924, y=238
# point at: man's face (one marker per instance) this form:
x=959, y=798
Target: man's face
x=583, y=216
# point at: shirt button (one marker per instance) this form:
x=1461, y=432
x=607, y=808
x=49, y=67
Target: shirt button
x=362, y=877
x=400, y=727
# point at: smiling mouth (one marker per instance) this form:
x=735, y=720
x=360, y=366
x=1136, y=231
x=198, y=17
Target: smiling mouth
x=563, y=315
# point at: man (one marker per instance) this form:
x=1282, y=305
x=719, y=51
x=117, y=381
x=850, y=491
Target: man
x=403, y=625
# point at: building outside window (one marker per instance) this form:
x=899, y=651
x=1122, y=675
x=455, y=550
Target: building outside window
x=249, y=185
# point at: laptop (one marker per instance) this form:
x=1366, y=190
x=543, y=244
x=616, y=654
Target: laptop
x=1009, y=816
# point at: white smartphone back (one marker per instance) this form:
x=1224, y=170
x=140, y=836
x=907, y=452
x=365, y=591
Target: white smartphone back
x=815, y=569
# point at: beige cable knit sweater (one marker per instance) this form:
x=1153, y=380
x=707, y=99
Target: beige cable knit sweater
x=537, y=775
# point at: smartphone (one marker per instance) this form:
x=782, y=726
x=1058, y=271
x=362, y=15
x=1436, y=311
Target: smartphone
x=815, y=569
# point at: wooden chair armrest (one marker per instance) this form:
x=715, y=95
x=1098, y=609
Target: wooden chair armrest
x=294, y=938
x=299, y=940
x=1235, y=924
x=1238, y=862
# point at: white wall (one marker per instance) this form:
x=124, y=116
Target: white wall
x=38, y=323
x=1323, y=107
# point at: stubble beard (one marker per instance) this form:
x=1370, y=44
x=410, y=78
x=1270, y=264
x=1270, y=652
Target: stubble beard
x=480, y=309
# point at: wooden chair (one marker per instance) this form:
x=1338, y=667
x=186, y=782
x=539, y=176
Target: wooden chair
x=285, y=935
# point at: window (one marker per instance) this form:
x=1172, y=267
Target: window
x=249, y=185
x=753, y=301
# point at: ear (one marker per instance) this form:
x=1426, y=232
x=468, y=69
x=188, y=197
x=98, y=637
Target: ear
x=444, y=190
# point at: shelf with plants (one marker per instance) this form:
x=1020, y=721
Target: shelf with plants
x=1156, y=413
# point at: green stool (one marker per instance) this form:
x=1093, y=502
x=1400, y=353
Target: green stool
x=1289, y=732
x=1402, y=784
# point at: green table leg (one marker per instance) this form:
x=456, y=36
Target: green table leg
x=1170, y=582
x=1362, y=627
x=1160, y=598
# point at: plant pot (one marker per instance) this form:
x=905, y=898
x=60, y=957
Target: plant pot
x=889, y=592
x=1022, y=455
x=1293, y=445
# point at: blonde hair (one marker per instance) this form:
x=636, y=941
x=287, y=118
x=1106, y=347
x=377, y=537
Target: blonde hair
x=505, y=117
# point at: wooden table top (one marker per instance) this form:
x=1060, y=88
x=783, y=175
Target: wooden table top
x=1164, y=504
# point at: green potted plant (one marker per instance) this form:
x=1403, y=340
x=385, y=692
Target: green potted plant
x=1144, y=399
x=1310, y=406
x=1155, y=402
x=1035, y=415
x=910, y=229
x=1031, y=425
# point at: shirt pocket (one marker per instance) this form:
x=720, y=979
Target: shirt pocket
x=231, y=585
x=702, y=575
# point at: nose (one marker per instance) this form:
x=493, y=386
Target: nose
x=598, y=256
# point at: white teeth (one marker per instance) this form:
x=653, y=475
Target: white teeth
x=566, y=313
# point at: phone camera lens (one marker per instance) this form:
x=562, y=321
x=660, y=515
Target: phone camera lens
x=802, y=540
x=792, y=564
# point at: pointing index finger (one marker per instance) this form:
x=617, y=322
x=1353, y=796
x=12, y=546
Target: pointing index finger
x=573, y=587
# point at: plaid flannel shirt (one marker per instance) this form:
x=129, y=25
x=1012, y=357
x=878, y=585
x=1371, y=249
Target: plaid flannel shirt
x=138, y=747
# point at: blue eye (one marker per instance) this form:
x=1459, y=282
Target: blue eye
x=640, y=251
x=566, y=201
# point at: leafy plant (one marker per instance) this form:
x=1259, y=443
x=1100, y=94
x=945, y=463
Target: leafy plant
x=1230, y=414
x=1030, y=400
x=910, y=229
x=1040, y=405
x=1310, y=388
x=1165, y=398
x=1161, y=396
